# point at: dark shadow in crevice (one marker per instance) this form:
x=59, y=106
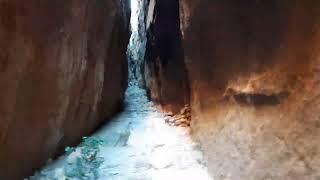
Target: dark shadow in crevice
x=259, y=99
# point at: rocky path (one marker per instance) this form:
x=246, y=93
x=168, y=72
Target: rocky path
x=135, y=145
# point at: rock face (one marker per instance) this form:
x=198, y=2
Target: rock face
x=165, y=71
x=63, y=70
x=253, y=72
x=254, y=75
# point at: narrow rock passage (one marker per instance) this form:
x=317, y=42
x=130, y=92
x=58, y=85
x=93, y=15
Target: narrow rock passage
x=136, y=145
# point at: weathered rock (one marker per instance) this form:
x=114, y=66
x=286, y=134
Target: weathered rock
x=179, y=119
x=254, y=75
x=62, y=71
x=165, y=71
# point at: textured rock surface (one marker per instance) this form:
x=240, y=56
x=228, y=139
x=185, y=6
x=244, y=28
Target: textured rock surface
x=62, y=71
x=254, y=78
x=164, y=71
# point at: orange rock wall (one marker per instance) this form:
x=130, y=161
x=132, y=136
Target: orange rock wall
x=254, y=75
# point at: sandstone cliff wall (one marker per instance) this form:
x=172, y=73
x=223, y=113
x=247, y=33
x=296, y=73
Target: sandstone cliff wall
x=63, y=70
x=253, y=68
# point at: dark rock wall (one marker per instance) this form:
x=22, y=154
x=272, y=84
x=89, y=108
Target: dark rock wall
x=63, y=70
x=164, y=71
x=254, y=75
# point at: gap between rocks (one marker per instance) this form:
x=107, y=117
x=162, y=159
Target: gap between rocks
x=141, y=142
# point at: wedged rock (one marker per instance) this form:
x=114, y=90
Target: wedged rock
x=63, y=70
